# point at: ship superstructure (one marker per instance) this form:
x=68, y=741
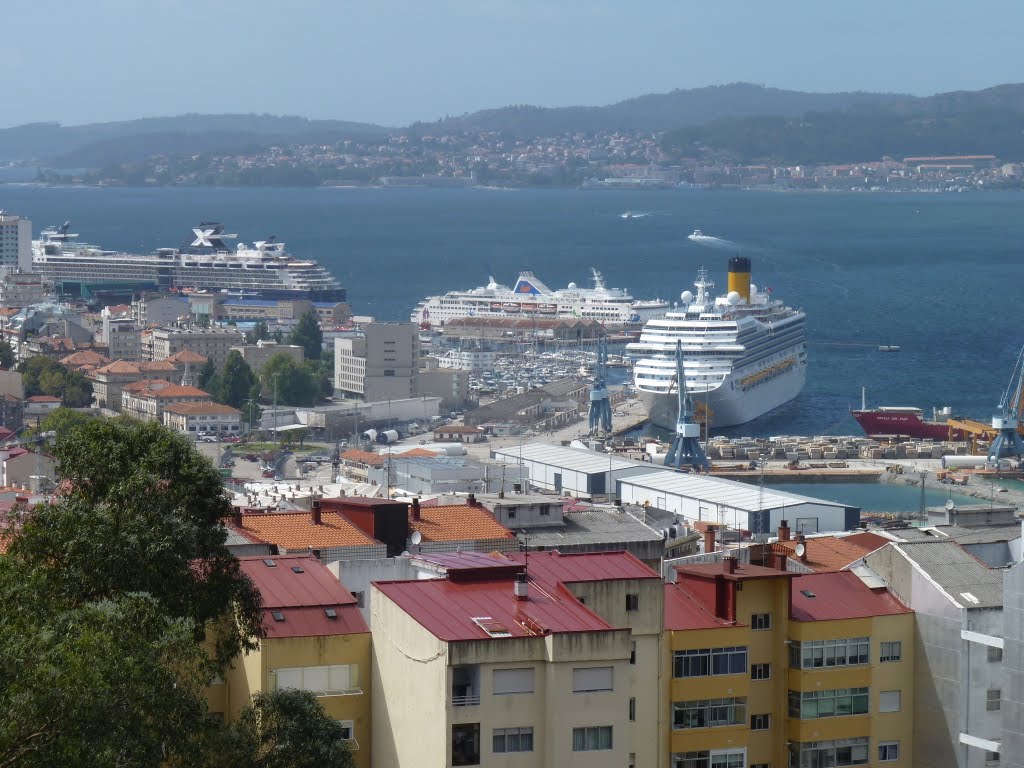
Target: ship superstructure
x=204, y=261
x=532, y=298
x=744, y=353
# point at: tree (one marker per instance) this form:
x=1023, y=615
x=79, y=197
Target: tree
x=42, y=375
x=236, y=381
x=295, y=384
x=6, y=355
x=207, y=374
x=286, y=728
x=259, y=332
x=307, y=334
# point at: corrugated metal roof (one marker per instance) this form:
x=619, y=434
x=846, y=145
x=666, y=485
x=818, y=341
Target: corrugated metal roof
x=554, y=567
x=989, y=534
x=574, y=459
x=718, y=490
x=840, y=595
x=970, y=583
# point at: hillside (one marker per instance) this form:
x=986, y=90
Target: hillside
x=658, y=111
x=957, y=123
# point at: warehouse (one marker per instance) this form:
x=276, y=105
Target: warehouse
x=734, y=504
x=572, y=471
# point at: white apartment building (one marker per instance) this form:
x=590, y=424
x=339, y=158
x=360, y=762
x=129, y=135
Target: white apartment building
x=379, y=365
x=15, y=243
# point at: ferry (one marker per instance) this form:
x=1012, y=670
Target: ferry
x=530, y=297
x=204, y=261
x=745, y=353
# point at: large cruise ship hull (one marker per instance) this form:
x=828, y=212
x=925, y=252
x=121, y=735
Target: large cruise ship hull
x=730, y=405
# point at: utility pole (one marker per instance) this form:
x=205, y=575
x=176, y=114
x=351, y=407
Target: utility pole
x=276, y=434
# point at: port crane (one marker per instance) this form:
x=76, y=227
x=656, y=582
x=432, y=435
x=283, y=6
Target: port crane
x=1007, y=442
x=600, y=403
x=685, y=449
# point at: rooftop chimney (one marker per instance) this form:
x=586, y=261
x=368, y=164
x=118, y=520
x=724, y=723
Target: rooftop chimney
x=314, y=513
x=784, y=530
x=520, y=587
x=783, y=561
x=471, y=499
x=236, y=517
x=729, y=564
x=416, y=510
x=709, y=540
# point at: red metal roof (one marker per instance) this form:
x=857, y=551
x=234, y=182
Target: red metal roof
x=743, y=571
x=840, y=595
x=553, y=567
x=301, y=597
x=683, y=611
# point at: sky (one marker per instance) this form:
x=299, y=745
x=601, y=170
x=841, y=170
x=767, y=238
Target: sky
x=393, y=62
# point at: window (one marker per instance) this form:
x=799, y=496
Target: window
x=513, y=739
x=632, y=709
x=710, y=661
x=330, y=613
x=728, y=760
x=839, y=753
x=761, y=621
x=709, y=713
x=592, y=679
x=592, y=739
x=759, y=765
x=632, y=602
x=811, y=705
x=760, y=722
x=360, y=599
x=889, y=701
x=760, y=671
x=994, y=653
x=509, y=681
x=632, y=653
x=888, y=751
x=466, y=744
x=331, y=680
x=691, y=759
x=818, y=654
x=890, y=651
x=992, y=697
x=278, y=615
x=991, y=758
x=348, y=729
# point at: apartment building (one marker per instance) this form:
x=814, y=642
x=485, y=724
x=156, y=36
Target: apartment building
x=774, y=668
x=214, y=343
x=15, y=243
x=256, y=355
x=193, y=418
x=548, y=662
x=147, y=399
x=379, y=365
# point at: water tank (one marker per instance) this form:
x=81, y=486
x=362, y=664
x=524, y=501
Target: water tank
x=956, y=462
x=370, y=434
x=388, y=436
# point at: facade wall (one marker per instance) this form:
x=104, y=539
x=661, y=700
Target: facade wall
x=1013, y=668
x=15, y=243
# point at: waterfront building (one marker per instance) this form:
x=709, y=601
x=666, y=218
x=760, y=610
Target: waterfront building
x=15, y=243
x=378, y=365
x=768, y=667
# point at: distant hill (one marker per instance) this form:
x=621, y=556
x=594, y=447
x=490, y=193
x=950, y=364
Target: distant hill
x=957, y=123
x=95, y=144
x=658, y=112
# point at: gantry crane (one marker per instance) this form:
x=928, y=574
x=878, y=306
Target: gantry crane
x=1008, y=442
x=685, y=449
x=600, y=404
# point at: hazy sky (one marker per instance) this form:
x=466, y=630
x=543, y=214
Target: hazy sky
x=396, y=61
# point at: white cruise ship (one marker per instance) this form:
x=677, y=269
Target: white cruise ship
x=744, y=353
x=204, y=261
x=531, y=298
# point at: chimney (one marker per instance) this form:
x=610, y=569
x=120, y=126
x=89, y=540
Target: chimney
x=729, y=564
x=520, y=587
x=416, y=510
x=784, y=530
x=236, y=517
x=471, y=500
x=709, y=540
x=314, y=513
x=782, y=561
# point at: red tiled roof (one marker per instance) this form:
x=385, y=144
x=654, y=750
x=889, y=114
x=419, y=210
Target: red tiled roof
x=295, y=530
x=193, y=409
x=363, y=457
x=188, y=356
x=160, y=389
x=831, y=553
x=302, y=596
x=458, y=429
x=683, y=611
x=44, y=399
x=840, y=595
x=85, y=357
x=457, y=522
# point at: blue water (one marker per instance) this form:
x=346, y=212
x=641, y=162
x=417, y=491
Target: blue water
x=875, y=497
x=938, y=275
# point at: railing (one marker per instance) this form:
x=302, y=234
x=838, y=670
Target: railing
x=469, y=700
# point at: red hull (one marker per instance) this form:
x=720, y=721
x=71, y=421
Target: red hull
x=908, y=423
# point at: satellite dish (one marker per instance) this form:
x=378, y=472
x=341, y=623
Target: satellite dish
x=416, y=538
x=800, y=549
x=950, y=504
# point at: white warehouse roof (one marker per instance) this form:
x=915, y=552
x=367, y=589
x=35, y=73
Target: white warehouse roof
x=718, y=490
x=573, y=459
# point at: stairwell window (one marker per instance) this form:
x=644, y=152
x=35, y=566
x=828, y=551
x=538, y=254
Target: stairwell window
x=891, y=651
x=761, y=621
x=632, y=602
x=592, y=739
x=992, y=697
x=760, y=722
x=888, y=751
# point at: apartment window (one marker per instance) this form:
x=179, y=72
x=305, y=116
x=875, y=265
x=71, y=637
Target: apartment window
x=728, y=760
x=991, y=758
x=701, y=662
x=819, y=654
x=760, y=765
x=632, y=760
x=592, y=679
x=511, y=681
x=992, y=697
x=888, y=751
x=348, y=729
x=592, y=739
x=632, y=653
x=838, y=753
x=324, y=681
x=995, y=654
x=691, y=759
x=760, y=671
x=761, y=621
x=890, y=651
x=632, y=709
x=760, y=722
x=811, y=705
x=632, y=602
x=513, y=739
x=889, y=701
x=466, y=744
x=709, y=713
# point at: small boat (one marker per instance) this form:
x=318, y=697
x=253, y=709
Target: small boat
x=698, y=235
x=889, y=348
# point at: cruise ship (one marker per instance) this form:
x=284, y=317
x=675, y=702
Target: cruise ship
x=204, y=261
x=745, y=353
x=531, y=298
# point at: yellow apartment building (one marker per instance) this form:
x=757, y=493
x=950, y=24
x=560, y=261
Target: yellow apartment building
x=772, y=669
x=315, y=639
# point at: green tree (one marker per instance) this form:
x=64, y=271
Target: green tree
x=284, y=729
x=259, y=332
x=42, y=375
x=295, y=384
x=307, y=334
x=206, y=375
x=236, y=381
x=6, y=355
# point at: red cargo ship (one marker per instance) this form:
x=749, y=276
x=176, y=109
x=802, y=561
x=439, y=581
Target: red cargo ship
x=900, y=421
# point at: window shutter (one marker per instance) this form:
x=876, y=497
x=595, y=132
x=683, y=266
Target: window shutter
x=592, y=679
x=518, y=680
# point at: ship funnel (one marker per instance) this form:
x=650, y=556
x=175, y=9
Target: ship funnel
x=739, y=277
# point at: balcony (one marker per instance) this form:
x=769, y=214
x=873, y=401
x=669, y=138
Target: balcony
x=465, y=686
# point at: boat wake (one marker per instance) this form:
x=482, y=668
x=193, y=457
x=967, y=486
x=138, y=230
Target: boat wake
x=710, y=241
x=636, y=214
